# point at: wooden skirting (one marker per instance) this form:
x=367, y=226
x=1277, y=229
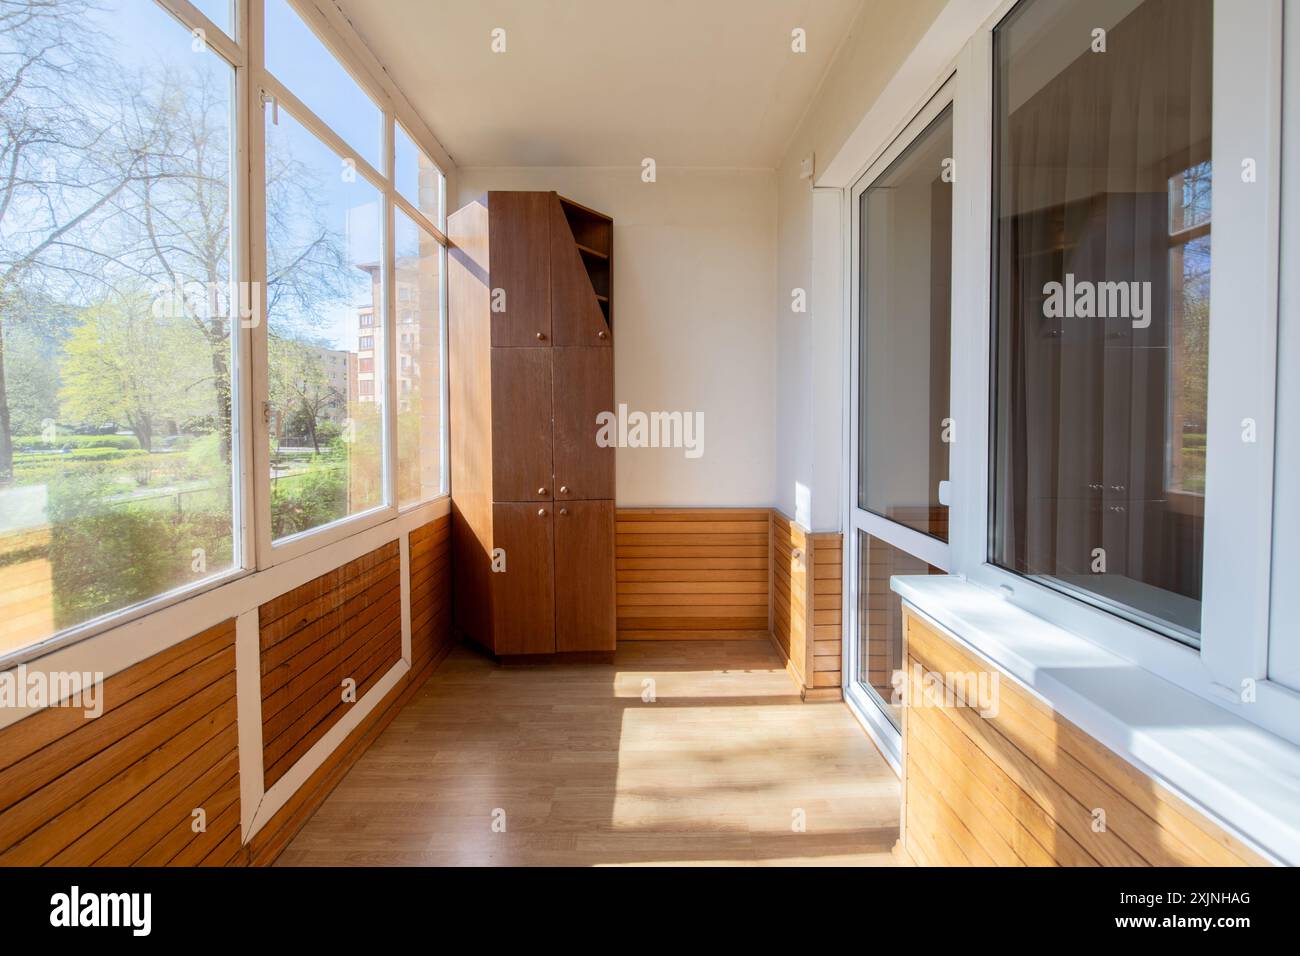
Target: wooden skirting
x=806, y=602
x=1006, y=781
x=122, y=789
x=692, y=573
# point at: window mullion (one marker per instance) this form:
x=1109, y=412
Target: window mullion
x=1243, y=341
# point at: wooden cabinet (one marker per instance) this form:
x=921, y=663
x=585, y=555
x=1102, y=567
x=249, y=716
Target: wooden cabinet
x=523, y=593
x=584, y=575
x=522, y=424
x=519, y=229
x=530, y=369
x=585, y=377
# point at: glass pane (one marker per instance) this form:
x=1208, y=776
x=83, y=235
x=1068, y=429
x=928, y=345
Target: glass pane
x=220, y=12
x=116, y=471
x=325, y=330
x=301, y=62
x=419, y=362
x=1102, y=205
x=880, y=619
x=416, y=177
x=906, y=247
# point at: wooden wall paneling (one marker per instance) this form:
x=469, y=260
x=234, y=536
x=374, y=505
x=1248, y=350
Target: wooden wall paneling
x=827, y=613
x=576, y=269
x=584, y=576
x=521, y=428
x=584, y=387
x=692, y=573
x=121, y=788
x=519, y=265
x=524, y=593
x=430, y=584
x=343, y=625
x=470, y=415
x=806, y=605
x=1019, y=784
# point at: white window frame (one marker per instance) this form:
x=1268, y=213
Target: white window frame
x=923, y=546
x=1236, y=599
x=264, y=89
x=251, y=499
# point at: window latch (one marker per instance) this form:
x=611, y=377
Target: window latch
x=275, y=107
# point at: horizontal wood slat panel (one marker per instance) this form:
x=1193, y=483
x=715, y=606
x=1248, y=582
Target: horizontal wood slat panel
x=806, y=605
x=691, y=571
x=81, y=791
x=1027, y=786
x=430, y=591
x=341, y=625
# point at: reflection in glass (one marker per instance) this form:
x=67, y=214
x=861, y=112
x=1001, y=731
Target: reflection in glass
x=419, y=362
x=325, y=333
x=1102, y=212
x=906, y=267
x=116, y=452
x=880, y=619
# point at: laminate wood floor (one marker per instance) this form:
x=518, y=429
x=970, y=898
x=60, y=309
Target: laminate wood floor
x=677, y=753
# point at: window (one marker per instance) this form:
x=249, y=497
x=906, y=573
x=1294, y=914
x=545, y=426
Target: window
x=327, y=456
x=301, y=62
x=419, y=181
x=116, y=402
x=419, y=259
x=1102, y=189
x=906, y=256
x=122, y=287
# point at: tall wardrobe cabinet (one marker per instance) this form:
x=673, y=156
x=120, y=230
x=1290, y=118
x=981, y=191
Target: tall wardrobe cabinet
x=531, y=366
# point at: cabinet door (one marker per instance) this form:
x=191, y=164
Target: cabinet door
x=584, y=387
x=584, y=576
x=519, y=268
x=576, y=318
x=523, y=595
x=521, y=425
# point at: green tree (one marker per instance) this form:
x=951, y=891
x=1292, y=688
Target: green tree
x=300, y=388
x=125, y=365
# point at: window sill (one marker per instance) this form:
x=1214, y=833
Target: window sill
x=1236, y=772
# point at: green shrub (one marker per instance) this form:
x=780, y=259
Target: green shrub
x=24, y=443
x=105, y=556
x=307, y=501
x=82, y=454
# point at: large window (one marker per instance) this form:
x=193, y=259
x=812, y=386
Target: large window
x=324, y=254
x=144, y=338
x=1102, y=197
x=116, y=451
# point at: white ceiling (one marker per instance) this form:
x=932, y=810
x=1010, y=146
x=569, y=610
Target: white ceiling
x=606, y=82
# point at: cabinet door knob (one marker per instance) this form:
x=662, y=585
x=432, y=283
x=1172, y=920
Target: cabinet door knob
x=541, y=336
x=602, y=334
x=541, y=512
x=541, y=491
x=564, y=489
x=564, y=511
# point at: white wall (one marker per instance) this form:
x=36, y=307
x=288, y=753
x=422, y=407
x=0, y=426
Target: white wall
x=694, y=282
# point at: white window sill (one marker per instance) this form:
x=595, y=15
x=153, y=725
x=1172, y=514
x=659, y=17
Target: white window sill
x=1238, y=774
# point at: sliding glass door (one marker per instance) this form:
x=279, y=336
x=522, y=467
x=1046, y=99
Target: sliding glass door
x=902, y=426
